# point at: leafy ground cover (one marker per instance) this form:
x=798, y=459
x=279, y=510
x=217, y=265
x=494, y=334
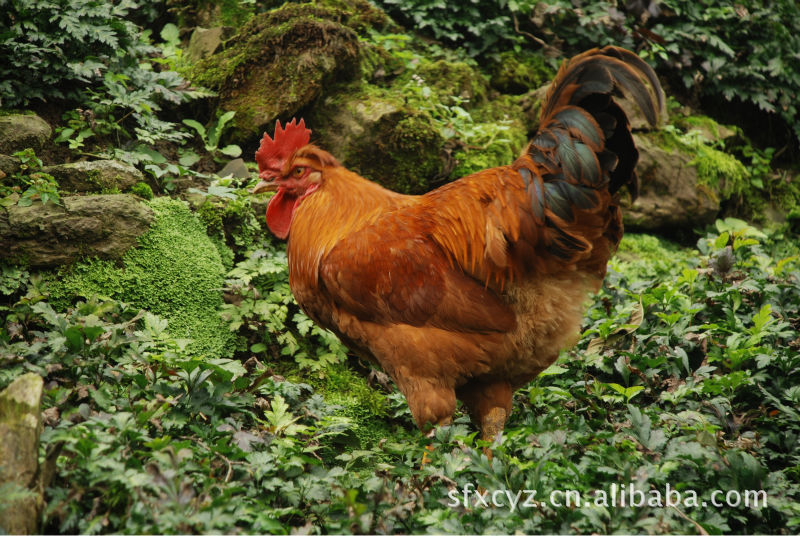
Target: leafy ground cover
x=686, y=375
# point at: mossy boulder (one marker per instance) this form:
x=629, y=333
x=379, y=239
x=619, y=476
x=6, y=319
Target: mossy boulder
x=105, y=176
x=20, y=426
x=372, y=132
x=175, y=271
x=279, y=63
x=22, y=131
x=104, y=226
x=515, y=74
x=455, y=79
x=672, y=196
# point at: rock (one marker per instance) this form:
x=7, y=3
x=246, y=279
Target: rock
x=235, y=168
x=279, y=63
x=204, y=42
x=95, y=176
x=372, y=132
x=670, y=197
x=20, y=426
x=8, y=165
x=635, y=115
x=104, y=226
x=22, y=131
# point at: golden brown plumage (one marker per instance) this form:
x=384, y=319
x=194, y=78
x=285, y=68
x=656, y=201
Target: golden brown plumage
x=471, y=290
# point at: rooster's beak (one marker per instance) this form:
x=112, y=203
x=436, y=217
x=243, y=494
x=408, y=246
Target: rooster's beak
x=264, y=186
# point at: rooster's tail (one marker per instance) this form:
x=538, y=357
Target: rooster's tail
x=583, y=153
x=581, y=125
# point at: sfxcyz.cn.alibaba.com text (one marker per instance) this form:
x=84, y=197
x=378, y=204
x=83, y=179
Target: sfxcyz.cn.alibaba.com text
x=625, y=495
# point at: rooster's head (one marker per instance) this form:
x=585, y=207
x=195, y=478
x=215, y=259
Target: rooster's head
x=288, y=165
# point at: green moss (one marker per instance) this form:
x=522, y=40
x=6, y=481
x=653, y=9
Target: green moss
x=233, y=222
x=721, y=175
x=516, y=74
x=707, y=127
x=720, y=171
x=365, y=406
x=470, y=161
x=644, y=256
x=143, y=190
x=175, y=271
x=455, y=79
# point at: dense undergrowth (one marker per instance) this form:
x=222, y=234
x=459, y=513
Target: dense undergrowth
x=185, y=391
x=686, y=376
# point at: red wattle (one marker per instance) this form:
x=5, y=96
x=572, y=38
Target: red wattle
x=279, y=213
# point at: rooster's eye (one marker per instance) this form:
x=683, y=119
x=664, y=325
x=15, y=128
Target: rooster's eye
x=298, y=171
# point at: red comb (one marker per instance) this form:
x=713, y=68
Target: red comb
x=274, y=152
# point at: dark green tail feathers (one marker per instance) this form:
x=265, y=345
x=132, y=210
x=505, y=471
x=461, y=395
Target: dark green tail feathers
x=584, y=142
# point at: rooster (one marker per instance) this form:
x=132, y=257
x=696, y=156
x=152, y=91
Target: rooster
x=469, y=291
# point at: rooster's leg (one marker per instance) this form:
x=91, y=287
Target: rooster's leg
x=431, y=403
x=489, y=405
x=492, y=423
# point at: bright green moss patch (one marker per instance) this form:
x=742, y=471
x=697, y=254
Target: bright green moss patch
x=643, y=256
x=143, y=190
x=721, y=174
x=175, y=272
x=366, y=407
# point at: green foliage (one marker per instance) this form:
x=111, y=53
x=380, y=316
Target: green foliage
x=211, y=136
x=29, y=184
x=268, y=319
x=745, y=51
x=72, y=41
x=687, y=379
x=175, y=272
x=476, y=25
x=88, y=52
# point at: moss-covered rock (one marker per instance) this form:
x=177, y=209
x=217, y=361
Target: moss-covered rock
x=515, y=74
x=231, y=223
x=96, y=176
x=8, y=165
x=373, y=132
x=104, y=226
x=22, y=131
x=175, y=271
x=672, y=196
x=455, y=79
x=278, y=63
